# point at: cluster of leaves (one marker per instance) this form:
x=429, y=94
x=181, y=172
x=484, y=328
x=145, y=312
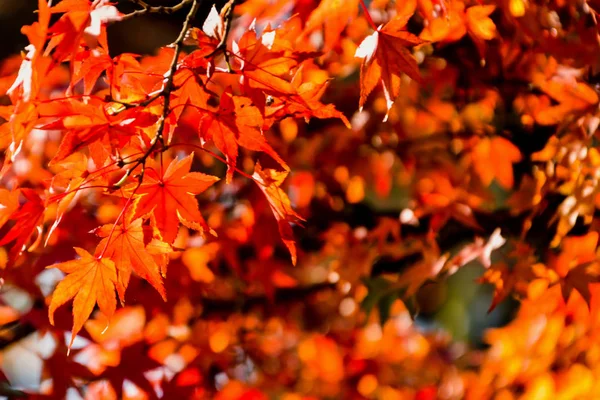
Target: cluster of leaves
x=418, y=136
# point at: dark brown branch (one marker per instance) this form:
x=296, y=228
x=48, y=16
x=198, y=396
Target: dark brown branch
x=168, y=83
x=165, y=93
x=148, y=9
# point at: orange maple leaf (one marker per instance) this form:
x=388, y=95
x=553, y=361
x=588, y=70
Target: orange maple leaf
x=493, y=158
x=28, y=220
x=82, y=20
x=94, y=63
x=131, y=247
x=72, y=176
x=170, y=196
x=480, y=26
x=34, y=66
x=573, y=97
x=274, y=51
x=517, y=277
x=577, y=265
x=9, y=203
x=267, y=63
x=236, y=123
x=333, y=16
x=90, y=280
x=385, y=58
x=88, y=122
x=579, y=278
x=269, y=181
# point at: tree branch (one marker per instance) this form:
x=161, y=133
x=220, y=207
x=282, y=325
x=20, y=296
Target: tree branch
x=165, y=93
x=148, y=9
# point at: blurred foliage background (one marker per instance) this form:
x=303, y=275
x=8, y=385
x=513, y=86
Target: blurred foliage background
x=458, y=304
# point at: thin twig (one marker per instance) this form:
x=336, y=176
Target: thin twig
x=148, y=9
x=227, y=15
x=215, y=155
x=368, y=15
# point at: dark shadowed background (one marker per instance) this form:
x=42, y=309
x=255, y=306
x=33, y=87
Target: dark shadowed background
x=138, y=35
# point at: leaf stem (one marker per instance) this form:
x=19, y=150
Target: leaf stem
x=227, y=16
x=368, y=15
x=215, y=155
x=112, y=230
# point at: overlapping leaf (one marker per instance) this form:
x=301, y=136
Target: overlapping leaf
x=269, y=181
x=237, y=123
x=169, y=196
x=27, y=222
x=385, y=58
x=87, y=122
x=134, y=247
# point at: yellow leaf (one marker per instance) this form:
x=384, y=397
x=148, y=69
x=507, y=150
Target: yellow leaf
x=197, y=259
x=479, y=23
x=356, y=190
x=219, y=340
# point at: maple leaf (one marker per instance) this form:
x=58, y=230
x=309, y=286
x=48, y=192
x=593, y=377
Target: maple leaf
x=87, y=122
x=169, y=196
x=90, y=280
x=9, y=203
x=449, y=27
x=269, y=181
x=26, y=85
x=572, y=97
x=385, y=58
x=503, y=279
x=189, y=80
x=575, y=250
x=29, y=218
x=131, y=246
x=236, y=123
x=493, y=158
x=480, y=26
x=82, y=20
x=125, y=329
x=577, y=265
x=579, y=278
x=333, y=16
x=27, y=80
x=72, y=176
x=93, y=65
x=102, y=12
x=64, y=370
x=478, y=22
x=268, y=61
x=273, y=52
x=20, y=122
x=134, y=367
x=307, y=102
x=512, y=279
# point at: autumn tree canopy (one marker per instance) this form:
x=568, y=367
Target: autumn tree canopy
x=271, y=205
